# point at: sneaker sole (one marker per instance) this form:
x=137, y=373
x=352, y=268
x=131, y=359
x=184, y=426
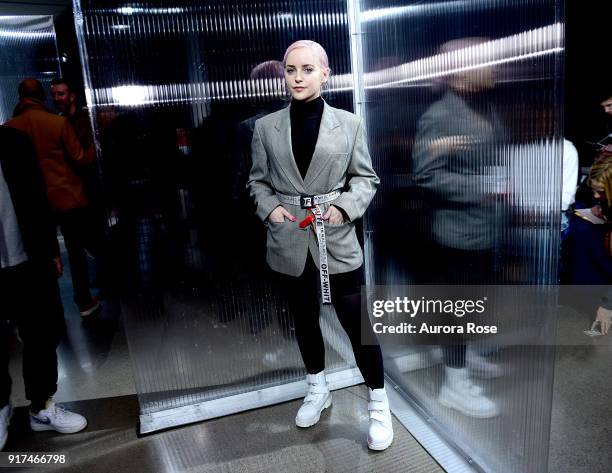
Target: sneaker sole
x=382, y=445
x=310, y=424
x=61, y=430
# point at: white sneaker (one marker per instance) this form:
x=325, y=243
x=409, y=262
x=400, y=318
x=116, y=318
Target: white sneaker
x=5, y=420
x=54, y=417
x=458, y=392
x=317, y=399
x=380, y=433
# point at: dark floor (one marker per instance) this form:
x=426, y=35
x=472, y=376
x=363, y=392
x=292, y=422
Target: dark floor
x=261, y=440
x=581, y=430
x=96, y=380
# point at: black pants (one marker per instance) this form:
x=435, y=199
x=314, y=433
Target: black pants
x=30, y=298
x=462, y=267
x=83, y=231
x=303, y=297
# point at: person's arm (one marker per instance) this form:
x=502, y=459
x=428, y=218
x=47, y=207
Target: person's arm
x=73, y=148
x=259, y=185
x=362, y=182
x=435, y=147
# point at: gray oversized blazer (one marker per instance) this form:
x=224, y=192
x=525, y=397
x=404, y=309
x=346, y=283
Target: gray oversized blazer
x=341, y=160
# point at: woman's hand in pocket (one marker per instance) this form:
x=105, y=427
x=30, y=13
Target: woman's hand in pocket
x=279, y=214
x=334, y=216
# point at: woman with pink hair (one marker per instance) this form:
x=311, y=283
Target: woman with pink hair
x=311, y=179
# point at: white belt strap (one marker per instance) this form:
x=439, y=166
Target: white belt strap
x=308, y=201
x=312, y=202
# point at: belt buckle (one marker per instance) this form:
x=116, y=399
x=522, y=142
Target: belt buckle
x=306, y=201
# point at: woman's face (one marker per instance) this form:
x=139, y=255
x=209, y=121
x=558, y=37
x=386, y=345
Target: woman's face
x=304, y=74
x=599, y=191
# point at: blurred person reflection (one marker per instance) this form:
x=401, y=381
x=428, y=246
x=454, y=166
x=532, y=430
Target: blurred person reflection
x=268, y=76
x=139, y=157
x=265, y=75
x=56, y=146
x=454, y=162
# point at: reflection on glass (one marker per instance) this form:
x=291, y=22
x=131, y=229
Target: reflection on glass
x=27, y=49
x=174, y=92
x=455, y=92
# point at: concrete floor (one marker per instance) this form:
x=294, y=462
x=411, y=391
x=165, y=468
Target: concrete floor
x=96, y=380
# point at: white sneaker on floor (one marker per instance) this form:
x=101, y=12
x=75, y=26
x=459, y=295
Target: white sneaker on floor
x=5, y=420
x=54, y=417
x=459, y=393
x=380, y=433
x=317, y=399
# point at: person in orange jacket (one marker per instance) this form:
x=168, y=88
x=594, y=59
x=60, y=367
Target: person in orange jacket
x=58, y=151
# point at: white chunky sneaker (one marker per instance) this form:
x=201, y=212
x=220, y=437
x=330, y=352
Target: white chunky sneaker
x=380, y=433
x=54, y=417
x=459, y=393
x=5, y=420
x=317, y=399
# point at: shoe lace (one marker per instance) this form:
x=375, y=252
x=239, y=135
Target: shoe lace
x=59, y=412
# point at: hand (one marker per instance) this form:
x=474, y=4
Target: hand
x=279, y=214
x=333, y=215
x=59, y=267
x=450, y=144
x=604, y=319
x=596, y=210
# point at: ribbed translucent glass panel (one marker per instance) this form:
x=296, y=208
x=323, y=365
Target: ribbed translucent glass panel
x=27, y=49
x=175, y=89
x=464, y=110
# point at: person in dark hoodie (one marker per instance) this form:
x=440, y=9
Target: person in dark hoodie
x=29, y=293
x=58, y=150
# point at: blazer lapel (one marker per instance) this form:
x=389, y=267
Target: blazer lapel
x=324, y=147
x=284, y=151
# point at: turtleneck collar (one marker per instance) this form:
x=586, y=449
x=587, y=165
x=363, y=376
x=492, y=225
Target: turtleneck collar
x=302, y=110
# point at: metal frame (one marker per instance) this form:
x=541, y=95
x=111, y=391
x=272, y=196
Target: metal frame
x=223, y=406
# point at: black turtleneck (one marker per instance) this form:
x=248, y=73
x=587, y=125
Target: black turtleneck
x=305, y=123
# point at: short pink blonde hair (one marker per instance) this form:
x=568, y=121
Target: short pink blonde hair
x=315, y=47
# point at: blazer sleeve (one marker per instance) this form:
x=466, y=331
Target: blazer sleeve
x=259, y=184
x=362, y=180
x=431, y=162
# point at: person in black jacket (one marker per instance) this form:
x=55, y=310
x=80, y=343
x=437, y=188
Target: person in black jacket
x=29, y=293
